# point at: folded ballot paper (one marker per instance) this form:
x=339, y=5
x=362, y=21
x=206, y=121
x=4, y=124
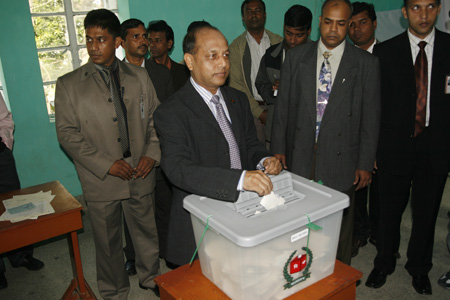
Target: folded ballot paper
x=30, y=206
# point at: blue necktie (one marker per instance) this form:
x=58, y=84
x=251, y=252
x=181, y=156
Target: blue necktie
x=324, y=90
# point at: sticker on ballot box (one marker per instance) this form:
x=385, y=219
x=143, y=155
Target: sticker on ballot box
x=299, y=235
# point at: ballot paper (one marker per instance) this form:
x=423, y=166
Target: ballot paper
x=30, y=206
x=271, y=201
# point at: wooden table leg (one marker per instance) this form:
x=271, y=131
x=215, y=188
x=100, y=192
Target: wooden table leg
x=78, y=288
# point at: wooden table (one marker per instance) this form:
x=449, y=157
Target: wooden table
x=190, y=284
x=65, y=220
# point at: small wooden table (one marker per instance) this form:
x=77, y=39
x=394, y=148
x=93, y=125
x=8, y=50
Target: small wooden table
x=190, y=284
x=65, y=220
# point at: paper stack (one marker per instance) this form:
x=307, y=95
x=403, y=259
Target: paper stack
x=30, y=206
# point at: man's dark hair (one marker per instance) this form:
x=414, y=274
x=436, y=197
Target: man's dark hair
x=103, y=18
x=359, y=7
x=190, y=38
x=298, y=16
x=129, y=24
x=247, y=2
x=326, y=2
x=161, y=26
x=405, y=3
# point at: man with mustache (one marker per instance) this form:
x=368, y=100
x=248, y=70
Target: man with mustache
x=326, y=116
x=135, y=43
x=246, y=52
x=104, y=121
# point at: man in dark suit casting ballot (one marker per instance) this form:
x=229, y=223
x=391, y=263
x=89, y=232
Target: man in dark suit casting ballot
x=208, y=138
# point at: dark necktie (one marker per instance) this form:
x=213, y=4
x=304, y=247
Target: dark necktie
x=114, y=93
x=421, y=70
x=235, y=157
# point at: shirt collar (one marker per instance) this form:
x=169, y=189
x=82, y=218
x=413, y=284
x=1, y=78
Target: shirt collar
x=429, y=39
x=204, y=93
x=336, y=52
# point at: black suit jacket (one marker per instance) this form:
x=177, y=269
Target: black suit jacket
x=195, y=156
x=180, y=74
x=398, y=105
x=161, y=79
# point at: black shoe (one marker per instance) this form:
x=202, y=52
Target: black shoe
x=31, y=263
x=130, y=267
x=421, y=284
x=3, y=282
x=444, y=281
x=356, y=245
x=376, y=279
x=172, y=265
x=155, y=290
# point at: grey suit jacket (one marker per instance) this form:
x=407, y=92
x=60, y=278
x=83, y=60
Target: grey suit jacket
x=84, y=117
x=349, y=131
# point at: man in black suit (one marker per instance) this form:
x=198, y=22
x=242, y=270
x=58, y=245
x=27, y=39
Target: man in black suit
x=414, y=144
x=161, y=41
x=199, y=156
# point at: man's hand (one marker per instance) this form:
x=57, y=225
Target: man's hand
x=263, y=117
x=272, y=166
x=144, y=167
x=282, y=159
x=275, y=84
x=121, y=169
x=257, y=181
x=362, y=178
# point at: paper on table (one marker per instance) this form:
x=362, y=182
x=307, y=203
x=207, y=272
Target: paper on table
x=40, y=200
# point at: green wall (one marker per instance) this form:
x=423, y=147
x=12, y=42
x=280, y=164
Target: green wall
x=38, y=155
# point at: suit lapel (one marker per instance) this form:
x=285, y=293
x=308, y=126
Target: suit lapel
x=196, y=103
x=308, y=83
x=233, y=114
x=343, y=82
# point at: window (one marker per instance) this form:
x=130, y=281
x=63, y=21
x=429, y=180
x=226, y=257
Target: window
x=60, y=39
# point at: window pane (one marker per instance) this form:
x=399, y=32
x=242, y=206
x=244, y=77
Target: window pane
x=54, y=64
x=49, y=90
x=84, y=57
x=39, y=6
x=50, y=31
x=87, y=5
x=79, y=27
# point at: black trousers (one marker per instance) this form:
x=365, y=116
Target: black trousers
x=9, y=181
x=366, y=218
x=426, y=193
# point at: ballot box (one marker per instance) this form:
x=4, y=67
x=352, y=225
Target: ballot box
x=253, y=253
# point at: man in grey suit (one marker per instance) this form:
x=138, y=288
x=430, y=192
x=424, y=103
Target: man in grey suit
x=336, y=145
x=104, y=121
x=199, y=156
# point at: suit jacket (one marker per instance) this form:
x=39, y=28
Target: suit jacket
x=196, y=156
x=180, y=74
x=398, y=105
x=241, y=65
x=161, y=79
x=84, y=117
x=349, y=130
